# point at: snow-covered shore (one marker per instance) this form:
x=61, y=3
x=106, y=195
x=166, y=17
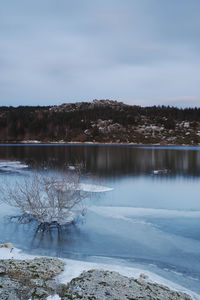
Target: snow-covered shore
x=74, y=268
x=64, y=143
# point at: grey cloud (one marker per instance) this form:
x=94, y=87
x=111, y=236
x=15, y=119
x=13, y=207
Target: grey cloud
x=52, y=51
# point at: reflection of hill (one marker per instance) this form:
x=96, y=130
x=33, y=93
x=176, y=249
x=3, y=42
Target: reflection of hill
x=110, y=160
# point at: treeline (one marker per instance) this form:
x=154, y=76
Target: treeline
x=45, y=123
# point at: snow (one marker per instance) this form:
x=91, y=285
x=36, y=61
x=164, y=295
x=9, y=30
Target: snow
x=86, y=187
x=31, y=142
x=156, y=172
x=160, y=172
x=94, y=188
x=75, y=268
x=55, y=297
x=71, y=167
x=6, y=253
x=9, y=166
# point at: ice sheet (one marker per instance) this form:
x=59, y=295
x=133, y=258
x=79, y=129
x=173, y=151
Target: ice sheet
x=124, y=212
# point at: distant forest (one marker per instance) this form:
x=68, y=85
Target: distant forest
x=83, y=122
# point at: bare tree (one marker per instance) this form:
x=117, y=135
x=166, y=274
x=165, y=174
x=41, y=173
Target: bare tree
x=49, y=197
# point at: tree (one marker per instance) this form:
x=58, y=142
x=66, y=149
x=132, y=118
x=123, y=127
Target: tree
x=50, y=197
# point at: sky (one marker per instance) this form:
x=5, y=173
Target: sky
x=143, y=52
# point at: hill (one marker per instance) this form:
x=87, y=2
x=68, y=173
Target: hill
x=102, y=121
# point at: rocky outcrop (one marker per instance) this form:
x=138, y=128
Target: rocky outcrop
x=104, y=285
x=34, y=280
x=29, y=279
x=70, y=107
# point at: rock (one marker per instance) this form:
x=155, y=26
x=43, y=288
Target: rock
x=6, y=245
x=42, y=268
x=40, y=293
x=105, y=285
x=144, y=276
x=34, y=279
x=29, y=279
x=2, y=271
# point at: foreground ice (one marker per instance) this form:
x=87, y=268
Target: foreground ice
x=75, y=268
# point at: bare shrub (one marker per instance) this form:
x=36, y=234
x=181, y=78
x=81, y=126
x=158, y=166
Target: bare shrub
x=49, y=197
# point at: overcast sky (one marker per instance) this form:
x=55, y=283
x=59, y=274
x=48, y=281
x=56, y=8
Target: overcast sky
x=142, y=52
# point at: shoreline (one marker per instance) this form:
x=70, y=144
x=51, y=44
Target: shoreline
x=54, y=143
x=74, y=268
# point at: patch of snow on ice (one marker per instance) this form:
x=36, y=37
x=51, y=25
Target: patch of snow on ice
x=86, y=187
x=10, y=166
x=71, y=167
x=94, y=188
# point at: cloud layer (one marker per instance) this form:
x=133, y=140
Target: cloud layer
x=138, y=51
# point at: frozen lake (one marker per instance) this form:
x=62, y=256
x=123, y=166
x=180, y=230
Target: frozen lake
x=150, y=219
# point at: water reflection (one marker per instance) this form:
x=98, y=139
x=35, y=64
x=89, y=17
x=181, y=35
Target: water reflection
x=30, y=235
x=110, y=160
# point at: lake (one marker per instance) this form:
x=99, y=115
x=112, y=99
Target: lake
x=150, y=220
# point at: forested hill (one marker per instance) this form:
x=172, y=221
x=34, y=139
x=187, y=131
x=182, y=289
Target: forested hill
x=100, y=121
